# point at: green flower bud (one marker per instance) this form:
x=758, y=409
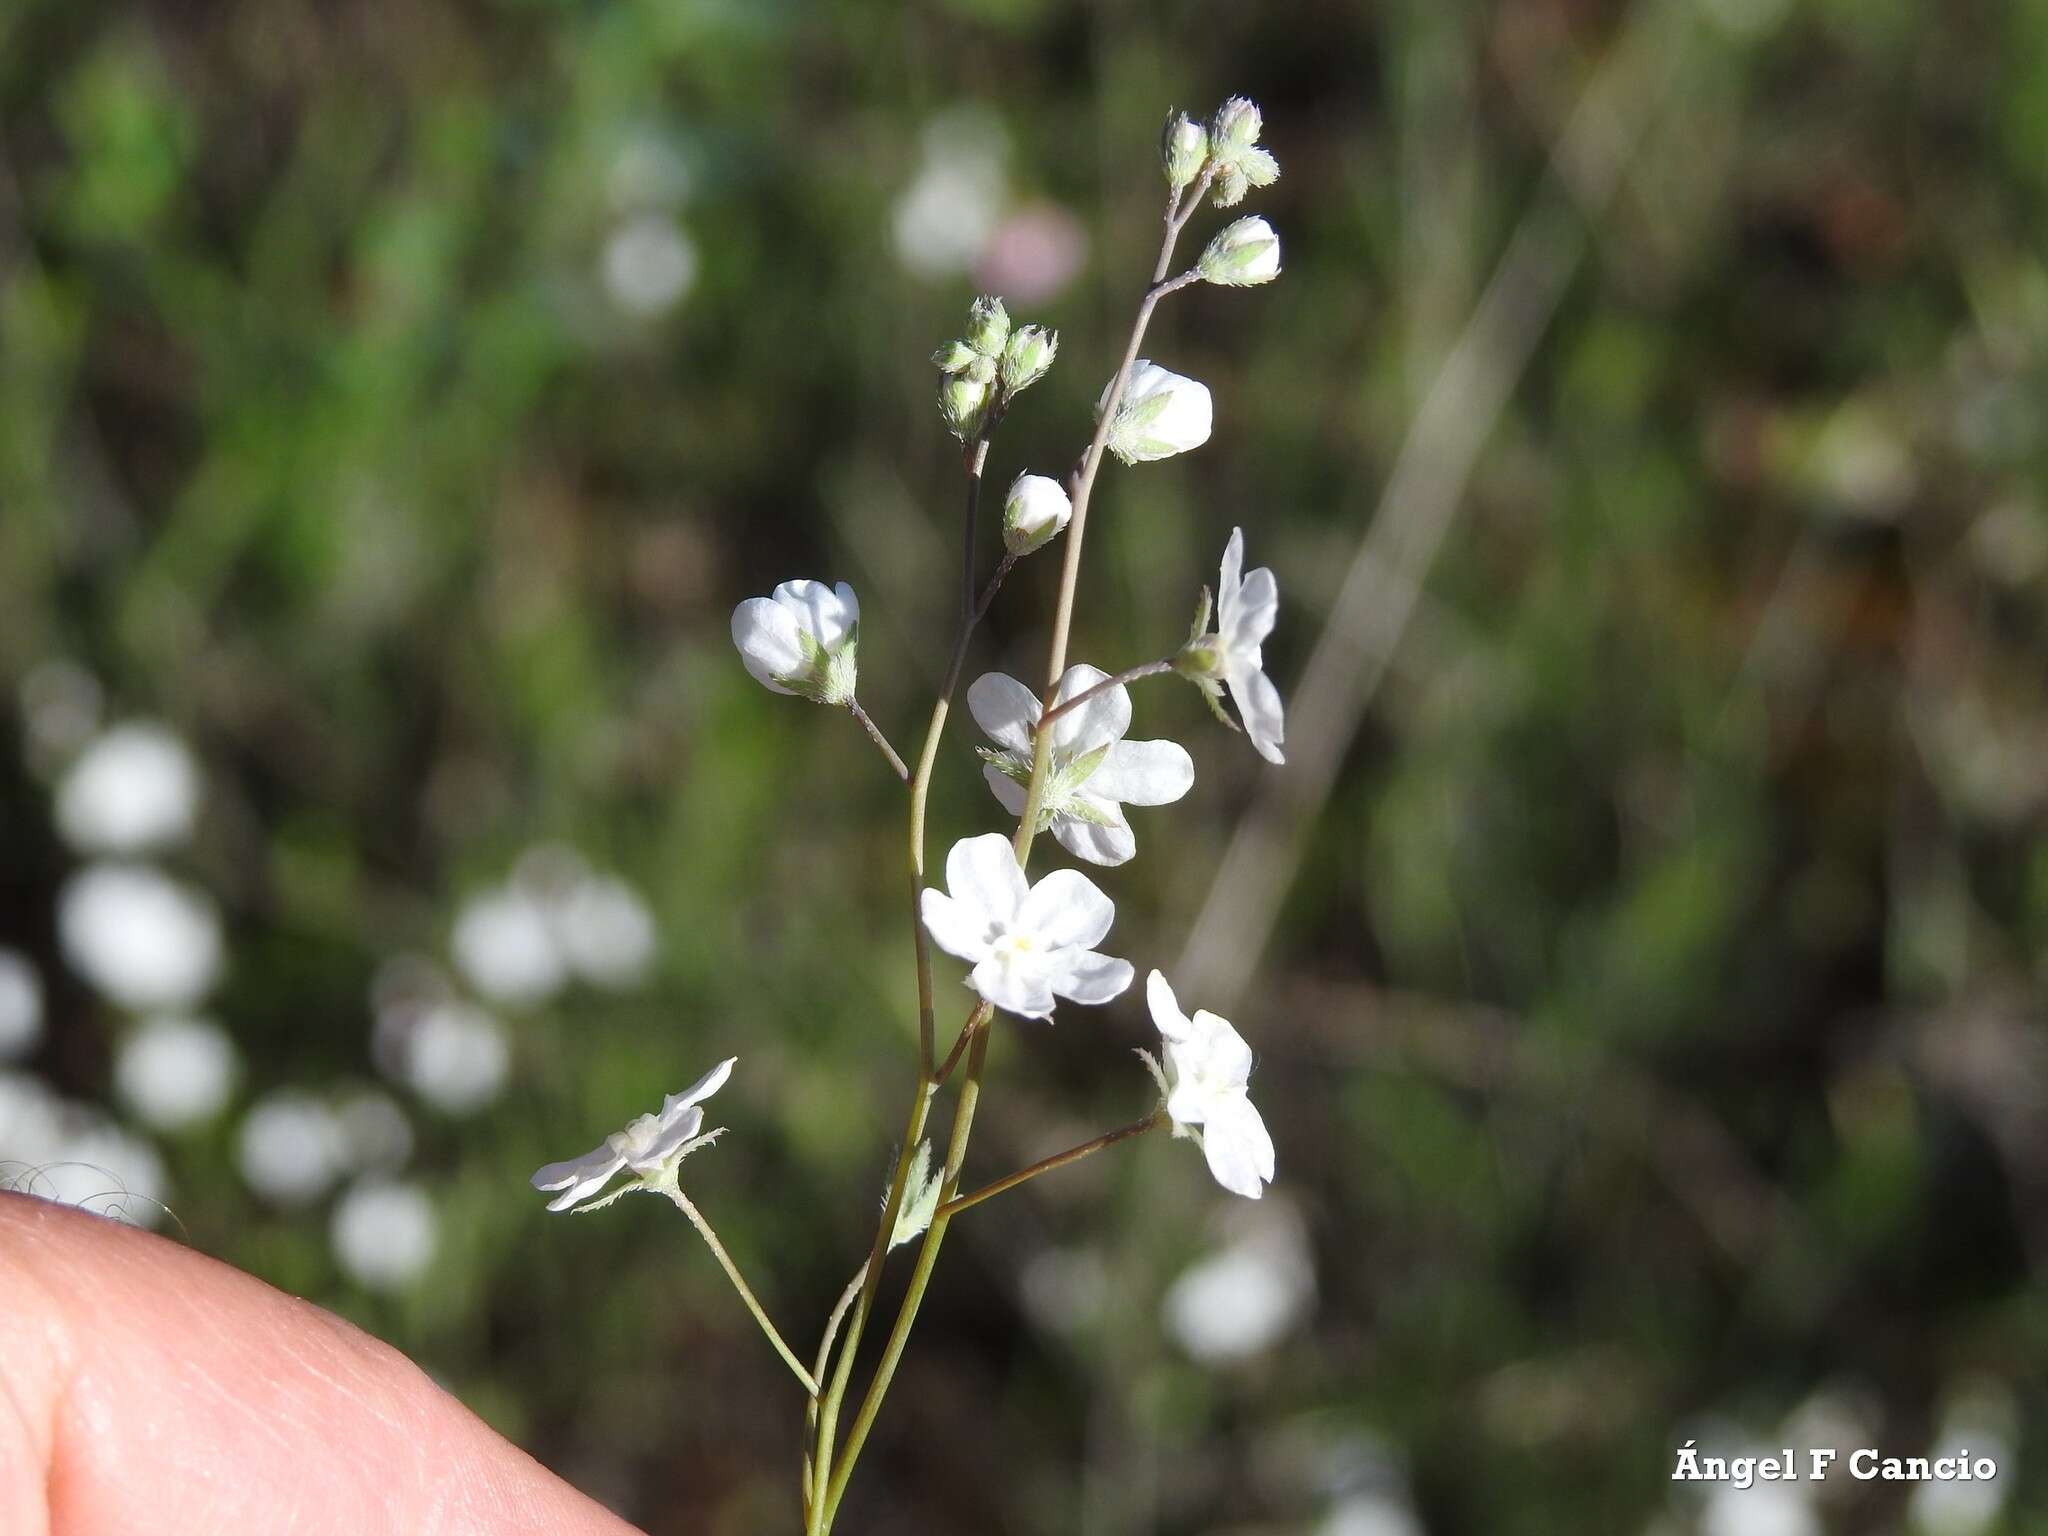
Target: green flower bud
x=1183, y=150
x=1030, y=352
x=988, y=326
x=1236, y=126
x=953, y=356
x=964, y=403
x=1241, y=254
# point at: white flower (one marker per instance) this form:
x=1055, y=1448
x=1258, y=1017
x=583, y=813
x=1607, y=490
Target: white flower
x=801, y=640
x=454, y=1056
x=505, y=944
x=1207, y=1068
x=1034, y=513
x=176, y=1072
x=1242, y=1301
x=291, y=1148
x=134, y=788
x=21, y=1005
x=648, y=265
x=1229, y=655
x=384, y=1233
x=1093, y=771
x=1161, y=414
x=138, y=936
x=606, y=931
x=1027, y=943
x=1243, y=253
x=651, y=1146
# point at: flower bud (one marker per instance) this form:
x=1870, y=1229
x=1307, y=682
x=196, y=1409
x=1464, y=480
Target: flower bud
x=1034, y=513
x=1183, y=149
x=952, y=357
x=1241, y=254
x=1161, y=414
x=1030, y=352
x=1236, y=125
x=963, y=403
x=988, y=326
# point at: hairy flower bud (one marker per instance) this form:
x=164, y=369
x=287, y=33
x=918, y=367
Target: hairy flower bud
x=988, y=326
x=963, y=403
x=1161, y=414
x=1183, y=150
x=1236, y=125
x=1241, y=254
x=1030, y=352
x=953, y=356
x=1034, y=513
x=1234, y=154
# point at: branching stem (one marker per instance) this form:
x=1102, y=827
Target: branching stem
x=1152, y=1121
x=739, y=1283
x=1128, y=675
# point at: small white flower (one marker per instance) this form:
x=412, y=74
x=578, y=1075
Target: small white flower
x=134, y=788
x=651, y=1146
x=1229, y=655
x=21, y=1005
x=505, y=945
x=139, y=937
x=384, y=1233
x=1027, y=943
x=1161, y=414
x=291, y=1148
x=1243, y=253
x=1034, y=513
x=1208, y=1066
x=649, y=264
x=801, y=640
x=177, y=1072
x=1093, y=772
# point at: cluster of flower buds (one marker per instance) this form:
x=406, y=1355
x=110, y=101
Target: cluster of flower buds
x=1228, y=152
x=988, y=366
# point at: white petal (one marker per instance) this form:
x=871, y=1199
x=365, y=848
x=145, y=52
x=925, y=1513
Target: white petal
x=1253, y=615
x=1066, y=910
x=1191, y=1099
x=1229, y=1059
x=1092, y=978
x=674, y=1132
x=1258, y=703
x=982, y=873
x=828, y=613
x=1239, y=1150
x=1022, y=990
x=1102, y=720
x=1229, y=579
x=1005, y=709
x=766, y=634
x=1166, y=1014
x=954, y=926
x=580, y=1177
x=1008, y=791
x=1144, y=773
x=700, y=1090
x=1109, y=843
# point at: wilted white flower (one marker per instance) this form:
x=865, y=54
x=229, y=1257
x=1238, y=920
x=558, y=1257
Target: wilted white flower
x=384, y=1233
x=1034, y=513
x=291, y=1148
x=803, y=639
x=134, y=788
x=176, y=1072
x=454, y=1056
x=1183, y=150
x=1243, y=253
x=505, y=945
x=21, y=1005
x=651, y=1146
x=1246, y=610
x=138, y=936
x=1204, y=1081
x=1242, y=1301
x=1161, y=414
x=1093, y=772
x=1027, y=943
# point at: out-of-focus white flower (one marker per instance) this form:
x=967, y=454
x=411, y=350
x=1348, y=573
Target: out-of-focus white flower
x=1761, y=1509
x=384, y=1233
x=176, y=1072
x=60, y=701
x=74, y=1154
x=649, y=264
x=375, y=1134
x=943, y=220
x=1242, y=254
x=133, y=789
x=1208, y=1068
x=1242, y=1301
x=646, y=172
x=505, y=945
x=606, y=931
x=650, y=1145
x=1033, y=253
x=291, y=1148
x=802, y=639
x=21, y=1005
x=1371, y=1514
x=139, y=937
x=1093, y=772
x=1064, y=1288
x=1034, y=513
x=1980, y=1420
x=1183, y=150
x=1162, y=413
x=454, y=1056
x=1230, y=655
x=1027, y=943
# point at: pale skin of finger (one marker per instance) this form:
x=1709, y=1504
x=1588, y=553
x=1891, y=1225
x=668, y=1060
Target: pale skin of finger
x=144, y=1387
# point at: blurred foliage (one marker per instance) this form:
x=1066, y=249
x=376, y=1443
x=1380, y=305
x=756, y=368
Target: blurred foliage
x=1653, y=1034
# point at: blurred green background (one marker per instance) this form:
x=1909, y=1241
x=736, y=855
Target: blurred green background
x=396, y=398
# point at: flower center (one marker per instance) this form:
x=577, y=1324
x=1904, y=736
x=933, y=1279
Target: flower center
x=1012, y=947
x=638, y=1138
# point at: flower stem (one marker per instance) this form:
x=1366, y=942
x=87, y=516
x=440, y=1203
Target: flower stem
x=875, y=734
x=1128, y=675
x=954, y=1207
x=976, y=1020
x=739, y=1282
x=818, y=1374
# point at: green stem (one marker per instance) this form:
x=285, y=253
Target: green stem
x=952, y=1208
x=739, y=1282
x=818, y=1374
x=1128, y=675
x=875, y=734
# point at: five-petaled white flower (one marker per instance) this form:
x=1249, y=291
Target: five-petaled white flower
x=1162, y=413
x=1093, y=771
x=802, y=639
x=1203, y=1083
x=650, y=1146
x=1229, y=655
x=1027, y=943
